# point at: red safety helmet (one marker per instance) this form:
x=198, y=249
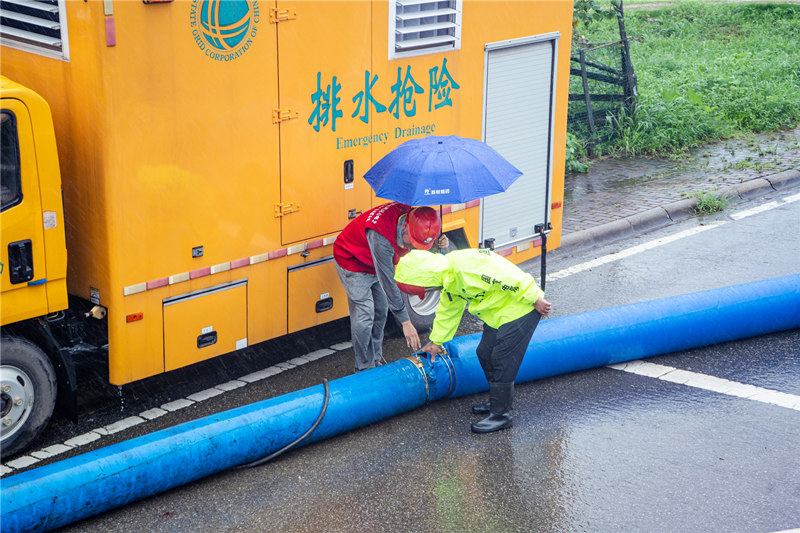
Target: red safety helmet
x=412, y=290
x=423, y=227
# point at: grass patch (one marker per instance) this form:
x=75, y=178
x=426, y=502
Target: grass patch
x=706, y=72
x=708, y=201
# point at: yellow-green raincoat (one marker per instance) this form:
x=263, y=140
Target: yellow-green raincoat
x=496, y=289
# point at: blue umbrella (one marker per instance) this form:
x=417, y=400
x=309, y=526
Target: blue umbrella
x=437, y=170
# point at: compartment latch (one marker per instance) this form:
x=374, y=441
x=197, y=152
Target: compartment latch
x=286, y=209
x=281, y=15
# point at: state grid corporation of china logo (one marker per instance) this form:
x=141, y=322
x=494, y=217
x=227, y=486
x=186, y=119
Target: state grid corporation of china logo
x=224, y=29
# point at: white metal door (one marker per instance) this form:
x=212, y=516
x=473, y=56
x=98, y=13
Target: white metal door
x=518, y=122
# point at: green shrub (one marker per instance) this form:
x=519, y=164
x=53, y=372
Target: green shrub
x=575, y=151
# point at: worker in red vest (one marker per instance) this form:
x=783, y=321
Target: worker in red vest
x=365, y=254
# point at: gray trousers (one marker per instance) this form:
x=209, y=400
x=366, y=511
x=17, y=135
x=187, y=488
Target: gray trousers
x=368, y=310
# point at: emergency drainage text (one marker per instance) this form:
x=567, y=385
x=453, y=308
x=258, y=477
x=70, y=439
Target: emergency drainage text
x=381, y=138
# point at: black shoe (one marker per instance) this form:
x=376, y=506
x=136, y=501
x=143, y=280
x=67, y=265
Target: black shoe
x=493, y=422
x=481, y=408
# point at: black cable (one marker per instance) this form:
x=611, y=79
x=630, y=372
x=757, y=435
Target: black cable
x=297, y=441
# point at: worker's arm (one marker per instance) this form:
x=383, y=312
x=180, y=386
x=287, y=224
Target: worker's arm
x=531, y=292
x=382, y=254
x=448, y=318
x=533, y=295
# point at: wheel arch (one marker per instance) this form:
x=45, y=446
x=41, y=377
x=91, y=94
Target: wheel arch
x=38, y=331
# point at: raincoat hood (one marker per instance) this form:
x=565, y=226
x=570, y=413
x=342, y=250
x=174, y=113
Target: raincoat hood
x=422, y=269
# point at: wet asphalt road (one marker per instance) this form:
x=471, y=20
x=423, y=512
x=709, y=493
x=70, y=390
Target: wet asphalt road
x=599, y=450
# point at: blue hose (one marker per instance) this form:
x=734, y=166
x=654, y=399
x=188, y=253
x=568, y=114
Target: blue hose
x=618, y=334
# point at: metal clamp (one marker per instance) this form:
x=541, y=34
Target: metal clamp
x=451, y=370
x=417, y=362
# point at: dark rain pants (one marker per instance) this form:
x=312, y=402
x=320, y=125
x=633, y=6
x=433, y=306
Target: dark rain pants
x=501, y=350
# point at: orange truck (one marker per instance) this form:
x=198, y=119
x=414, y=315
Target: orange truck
x=192, y=161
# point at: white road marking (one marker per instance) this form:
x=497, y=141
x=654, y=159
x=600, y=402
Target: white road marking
x=792, y=198
x=758, y=209
x=153, y=413
x=261, y=374
x=628, y=252
x=51, y=451
x=120, y=425
x=204, y=395
x=341, y=346
x=177, y=405
x=82, y=440
x=710, y=383
x=319, y=354
x=231, y=385
x=21, y=462
x=765, y=207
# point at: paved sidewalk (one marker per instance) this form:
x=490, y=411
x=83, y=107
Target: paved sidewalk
x=618, y=198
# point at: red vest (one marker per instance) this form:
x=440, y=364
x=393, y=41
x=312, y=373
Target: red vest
x=351, y=249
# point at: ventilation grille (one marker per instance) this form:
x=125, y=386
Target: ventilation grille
x=34, y=25
x=425, y=26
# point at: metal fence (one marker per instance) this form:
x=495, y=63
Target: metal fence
x=602, y=91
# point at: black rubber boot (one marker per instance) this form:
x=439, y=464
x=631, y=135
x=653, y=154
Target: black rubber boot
x=484, y=408
x=501, y=396
x=481, y=408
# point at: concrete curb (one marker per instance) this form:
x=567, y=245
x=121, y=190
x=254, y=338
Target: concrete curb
x=658, y=217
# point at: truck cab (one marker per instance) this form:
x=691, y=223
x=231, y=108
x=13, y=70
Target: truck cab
x=33, y=260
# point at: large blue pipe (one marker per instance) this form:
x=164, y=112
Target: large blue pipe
x=619, y=334
x=88, y=484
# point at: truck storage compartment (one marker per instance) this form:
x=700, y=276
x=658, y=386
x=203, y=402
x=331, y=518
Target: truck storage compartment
x=203, y=324
x=315, y=294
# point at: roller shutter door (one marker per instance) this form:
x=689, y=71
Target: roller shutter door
x=518, y=123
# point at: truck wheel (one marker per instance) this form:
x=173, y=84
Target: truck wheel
x=422, y=311
x=27, y=393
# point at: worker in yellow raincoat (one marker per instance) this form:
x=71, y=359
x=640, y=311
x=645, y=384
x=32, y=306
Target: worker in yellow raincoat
x=498, y=292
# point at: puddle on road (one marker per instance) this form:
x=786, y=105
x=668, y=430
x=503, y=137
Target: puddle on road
x=649, y=182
